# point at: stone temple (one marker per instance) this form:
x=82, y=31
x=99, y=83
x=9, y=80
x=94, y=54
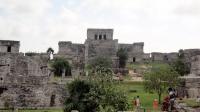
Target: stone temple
x=99, y=43
x=27, y=81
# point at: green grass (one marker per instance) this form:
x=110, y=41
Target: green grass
x=145, y=97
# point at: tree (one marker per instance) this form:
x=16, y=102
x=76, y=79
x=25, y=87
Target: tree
x=97, y=93
x=104, y=62
x=123, y=56
x=77, y=94
x=159, y=78
x=93, y=96
x=180, y=65
x=100, y=66
x=59, y=65
x=50, y=52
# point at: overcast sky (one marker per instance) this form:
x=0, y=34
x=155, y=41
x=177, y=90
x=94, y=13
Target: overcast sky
x=163, y=25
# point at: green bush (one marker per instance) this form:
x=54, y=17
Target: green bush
x=60, y=64
x=92, y=96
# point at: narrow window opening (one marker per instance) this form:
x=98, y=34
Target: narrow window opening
x=100, y=37
x=134, y=59
x=104, y=36
x=9, y=49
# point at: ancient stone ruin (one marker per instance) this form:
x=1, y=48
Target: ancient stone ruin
x=99, y=43
x=25, y=80
x=191, y=82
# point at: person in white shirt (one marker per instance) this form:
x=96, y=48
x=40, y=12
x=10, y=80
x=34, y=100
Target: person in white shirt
x=137, y=103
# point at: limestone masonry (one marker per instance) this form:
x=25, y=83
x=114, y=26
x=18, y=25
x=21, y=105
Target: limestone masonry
x=26, y=80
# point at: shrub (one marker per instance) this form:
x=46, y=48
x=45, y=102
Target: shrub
x=60, y=64
x=92, y=96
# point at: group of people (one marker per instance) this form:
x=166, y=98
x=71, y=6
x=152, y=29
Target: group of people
x=167, y=105
x=169, y=101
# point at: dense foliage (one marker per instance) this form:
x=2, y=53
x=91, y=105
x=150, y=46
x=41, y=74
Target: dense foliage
x=123, y=56
x=180, y=65
x=100, y=62
x=159, y=78
x=92, y=96
x=97, y=93
x=60, y=65
x=100, y=65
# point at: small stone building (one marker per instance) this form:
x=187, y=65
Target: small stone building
x=7, y=46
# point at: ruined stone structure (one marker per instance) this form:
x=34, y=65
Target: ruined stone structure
x=169, y=57
x=99, y=43
x=9, y=46
x=191, y=82
x=24, y=80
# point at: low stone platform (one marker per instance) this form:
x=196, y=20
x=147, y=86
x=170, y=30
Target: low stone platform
x=192, y=85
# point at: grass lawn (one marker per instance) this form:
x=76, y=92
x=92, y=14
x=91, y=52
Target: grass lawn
x=134, y=89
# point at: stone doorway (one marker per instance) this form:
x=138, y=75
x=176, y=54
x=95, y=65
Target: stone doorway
x=9, y=49
x=52, y=100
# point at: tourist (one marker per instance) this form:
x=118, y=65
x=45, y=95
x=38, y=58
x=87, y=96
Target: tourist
x=155, y=104
x=137, y=103
x=165, y=104
x=134, y=102
x=172, y=98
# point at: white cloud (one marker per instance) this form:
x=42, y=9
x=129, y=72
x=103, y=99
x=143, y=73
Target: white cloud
x=164, y=25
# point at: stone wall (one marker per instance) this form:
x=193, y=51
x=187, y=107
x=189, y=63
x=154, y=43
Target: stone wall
x=195, y=65
x=156, y=56
x=147, y=57
x=192, y=86
x=75, y=54
x=96, y=48
x=33, y=95
x=24, y=82
x=99, y=43
x=167, y=57
x=192, y=80
x=135, y=51
x=189, y=53
x=99, y=34
x=172, y=56
x=9, y=46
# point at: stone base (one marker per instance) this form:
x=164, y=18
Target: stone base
x=192, y=86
